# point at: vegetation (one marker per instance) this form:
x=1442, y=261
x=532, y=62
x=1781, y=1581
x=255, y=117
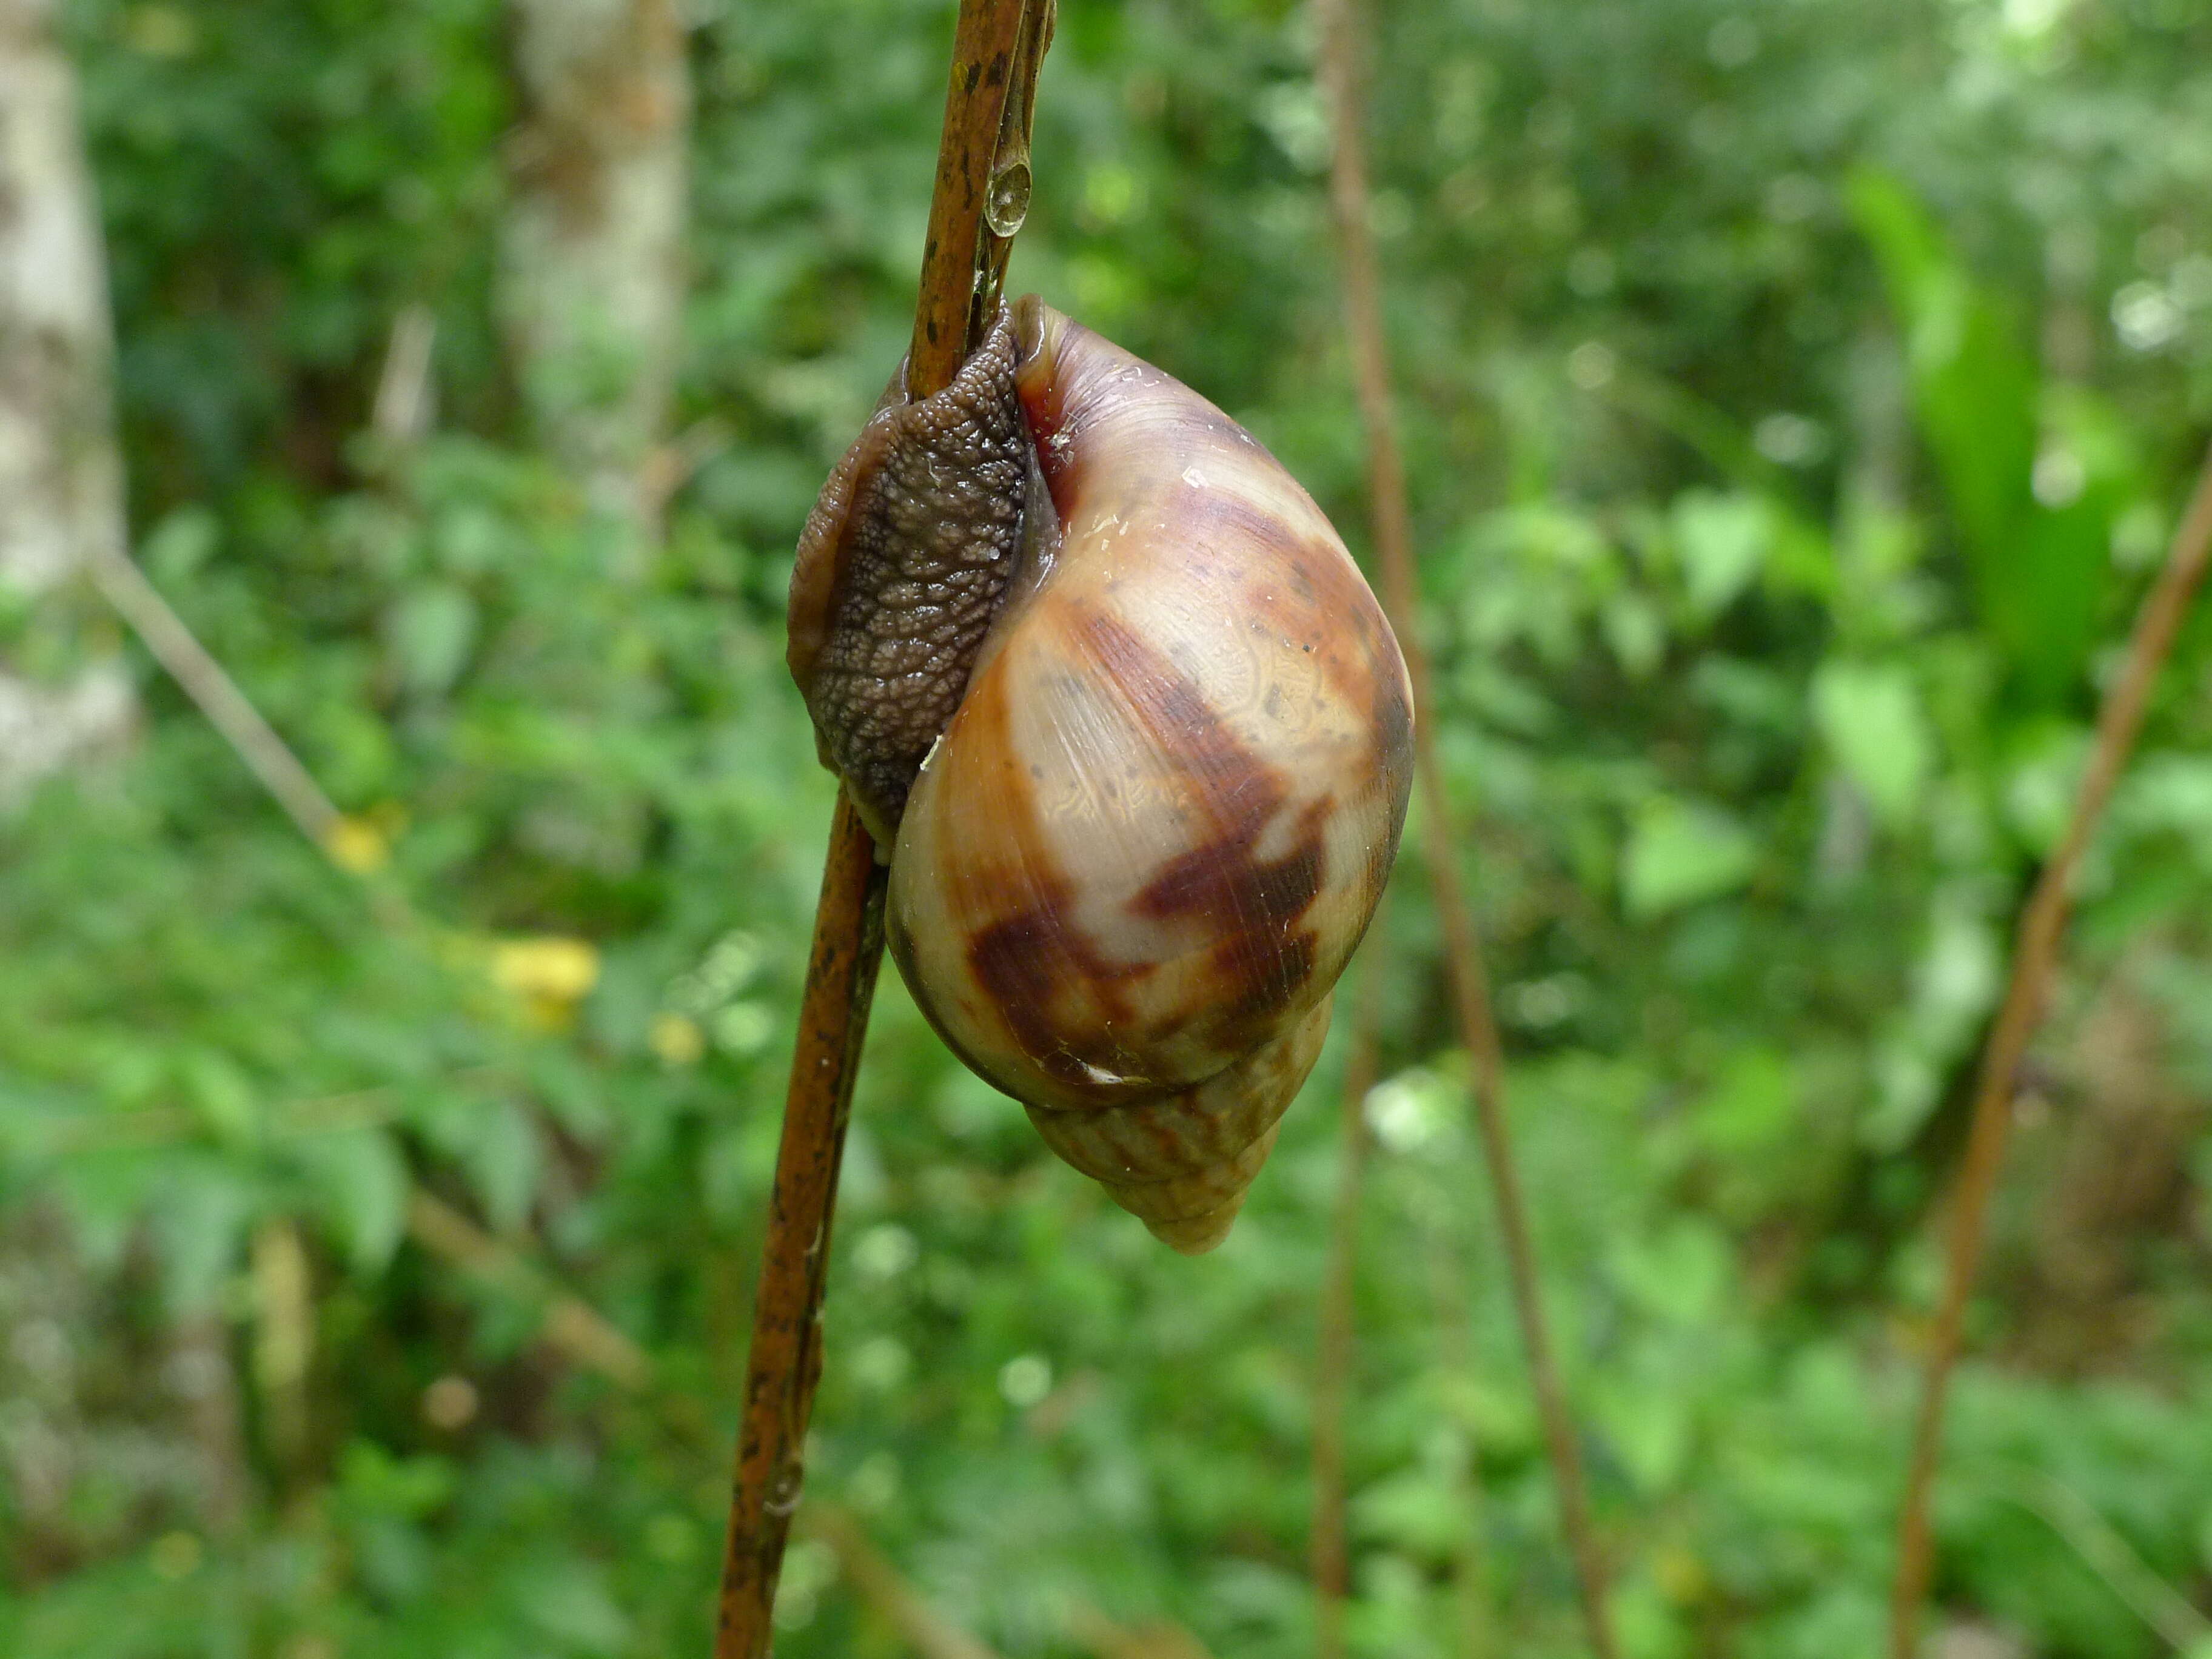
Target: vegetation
x=1797, y=399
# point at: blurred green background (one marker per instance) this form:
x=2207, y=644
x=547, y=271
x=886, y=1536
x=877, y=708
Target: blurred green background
x=1798, y=395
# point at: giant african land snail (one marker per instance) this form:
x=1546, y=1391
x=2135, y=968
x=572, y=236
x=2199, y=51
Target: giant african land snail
x=1104, y=680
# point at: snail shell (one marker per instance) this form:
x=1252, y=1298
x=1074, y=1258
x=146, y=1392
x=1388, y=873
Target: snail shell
x=1130, y=861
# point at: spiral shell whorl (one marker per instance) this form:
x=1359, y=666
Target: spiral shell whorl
x=1183, y=1163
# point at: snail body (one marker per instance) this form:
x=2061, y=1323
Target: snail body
x=1130, y=865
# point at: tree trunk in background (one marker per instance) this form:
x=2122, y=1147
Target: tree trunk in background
x=595, y=270
x=103, y=1426
x=61, y=489
x=63, y=697
x=45, y=1311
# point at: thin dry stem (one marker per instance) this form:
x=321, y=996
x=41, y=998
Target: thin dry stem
x=2035, y=956
x=1108, y=1638
x=888, y=1590
x=238, y=722
x=569, y=1324
x=1340, y=75
x=216, y=694
x=1330, y=1551
x=2105, y=1550
x=785, y=1361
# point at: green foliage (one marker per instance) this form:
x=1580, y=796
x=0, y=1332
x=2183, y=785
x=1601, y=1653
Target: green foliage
x=2037, y=522
x=1769, y=549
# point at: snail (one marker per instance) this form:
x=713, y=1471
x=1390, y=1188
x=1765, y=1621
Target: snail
x=1105, y=685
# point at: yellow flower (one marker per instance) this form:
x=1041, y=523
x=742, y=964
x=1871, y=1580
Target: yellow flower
x=676, y=1040
x=564, y=970
x=357, y=847
x=550, y=974
x=1682, y=1577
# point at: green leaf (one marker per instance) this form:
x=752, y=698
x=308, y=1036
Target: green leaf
x=2039, y=565
x=200, y=1222
x=2048, y=607
x=2042, y=778
x=432, y=630
x=1682, y=1276
x=176, y=548
x=1871, y=717
x=221, y=1092
x=569, y=1601
x=373, y=1481
x=1753, y=1104
x=2171, y=794
x=1682, y=852
x=1722, y=541
x=1974, y=386
x=362, y=1184
x=1650, y=1433
x=504, y=1158
x=1954, y=984
x=1415, y=1509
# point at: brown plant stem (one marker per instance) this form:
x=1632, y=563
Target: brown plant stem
x=1329, y=1550
x=2035, y=956
x=983, y=63
x=1391, y=528
x=785, y=1362
x=989, y=65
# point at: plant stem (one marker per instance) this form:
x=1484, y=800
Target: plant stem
x=1107, y=1639
x=985, y=48
x=239, y=723
x=2035, y=956
x=566, y=1321
x=785, y=1361
x=1340, y=75
x=889, y=1591
x=250, y=737
x=1331, y=1554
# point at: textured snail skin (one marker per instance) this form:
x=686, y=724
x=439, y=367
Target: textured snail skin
x=1130, y=870
x=903, y=565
